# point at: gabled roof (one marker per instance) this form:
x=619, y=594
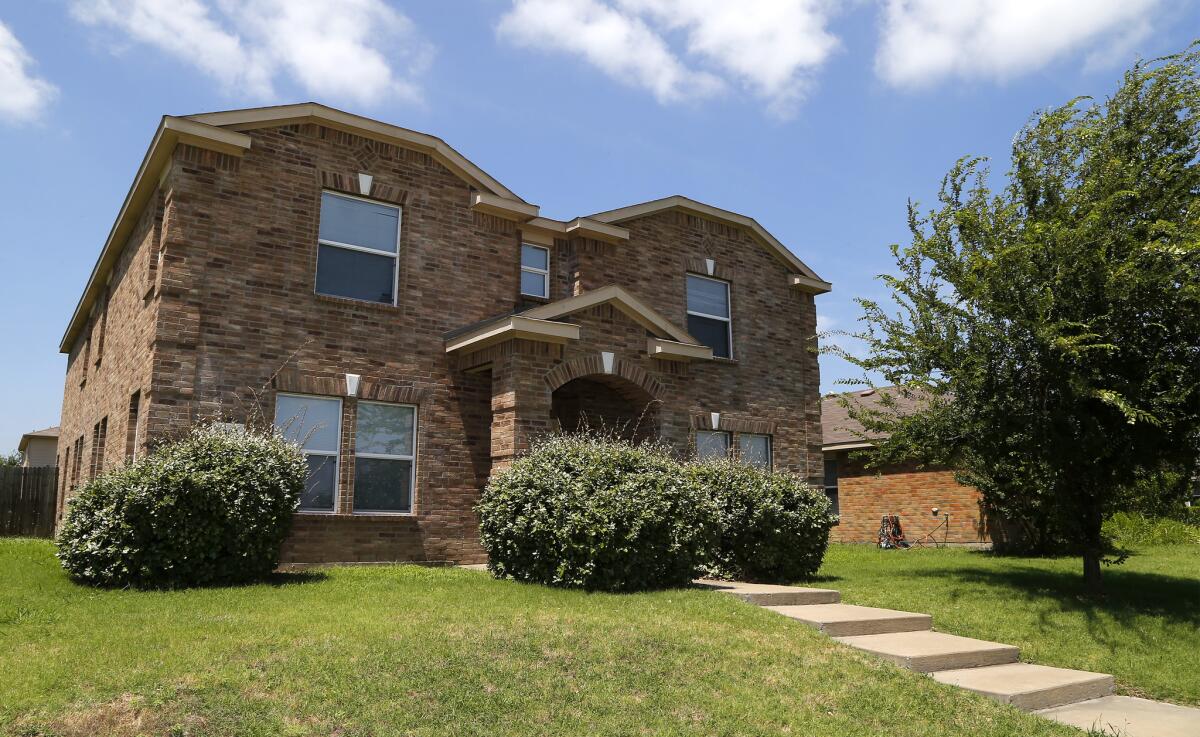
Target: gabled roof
x=806, y=279
x=314, y=112
x=49, y=433
x=634, y=308
x=541, y=323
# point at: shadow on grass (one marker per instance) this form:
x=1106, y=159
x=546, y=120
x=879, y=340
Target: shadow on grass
x=1127, y=593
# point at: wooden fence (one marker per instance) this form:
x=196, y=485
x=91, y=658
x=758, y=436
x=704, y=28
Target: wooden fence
x=28, y=498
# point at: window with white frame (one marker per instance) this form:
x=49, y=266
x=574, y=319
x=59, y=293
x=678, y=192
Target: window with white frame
x=712, y=444
x=708, y=315
x=315, y=424
x=384, y=458
x=535, y=270
x=357, y=249
x=754, y=449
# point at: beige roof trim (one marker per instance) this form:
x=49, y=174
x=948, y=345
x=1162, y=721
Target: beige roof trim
x=857, y=445
x=171, y=131
x=636, y=309
x=670, y=350
x=582, y=227
x=312, y=112
x=514, y=326
x=502, y=206
x=810, y=282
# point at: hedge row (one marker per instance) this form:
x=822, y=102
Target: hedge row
x=602, y=514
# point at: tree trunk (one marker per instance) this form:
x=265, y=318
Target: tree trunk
x=1092, y=579
x=1093, y=550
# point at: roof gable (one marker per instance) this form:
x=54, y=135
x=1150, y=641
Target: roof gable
x=805, y=277
x=631, y=306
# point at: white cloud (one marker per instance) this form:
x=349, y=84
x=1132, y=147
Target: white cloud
x=356, y=50
x=686, y=49
x=23, y=96
x=922, y=41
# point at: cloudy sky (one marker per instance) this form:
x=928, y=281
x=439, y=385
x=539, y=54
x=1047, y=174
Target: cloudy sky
x=816, y=117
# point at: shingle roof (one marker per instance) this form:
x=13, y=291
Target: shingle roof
x=838, y=428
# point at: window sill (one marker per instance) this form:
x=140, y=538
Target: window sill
x=727, y=361
x=351, y=515
x=359, y=303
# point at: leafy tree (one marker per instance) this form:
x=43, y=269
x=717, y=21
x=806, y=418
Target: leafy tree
x=11, y=460
x=1052, y=327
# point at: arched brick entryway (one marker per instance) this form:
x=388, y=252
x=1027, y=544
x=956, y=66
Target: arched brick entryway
x=595, y=365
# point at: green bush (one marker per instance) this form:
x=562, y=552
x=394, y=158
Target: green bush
x=594, y=513
x=774, y=526
x=1132, y=529
x=211, y=508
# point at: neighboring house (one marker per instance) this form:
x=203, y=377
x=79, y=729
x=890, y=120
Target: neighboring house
x=39, y=448
x=417, y=323
x=864, y=495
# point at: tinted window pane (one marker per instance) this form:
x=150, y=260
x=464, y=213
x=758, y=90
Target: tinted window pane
x=831, y=473
x=322, y=481
x=385, y=429
x=354, y=274
x=359, y=223
x=535, y=258
x=755, y=449
x=712, y=444
x=710, y=332
x=708, y=296
x=534, y=284
x=310, y=422
x=833, y=500
x=382, y=485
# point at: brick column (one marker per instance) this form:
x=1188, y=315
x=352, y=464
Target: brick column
x=520, y=404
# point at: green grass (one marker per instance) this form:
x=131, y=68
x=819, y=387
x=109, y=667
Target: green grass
x=419, y=651
x=1146, y=632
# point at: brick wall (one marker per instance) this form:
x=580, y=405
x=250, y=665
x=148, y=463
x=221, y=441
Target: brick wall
x=202, y=331
x=867, y=494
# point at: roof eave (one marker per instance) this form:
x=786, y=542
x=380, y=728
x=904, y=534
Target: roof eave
x=171, y=131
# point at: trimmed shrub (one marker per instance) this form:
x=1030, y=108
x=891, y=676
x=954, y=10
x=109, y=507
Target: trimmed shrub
x=211, y=508
x=774, y=526
x=595, y=513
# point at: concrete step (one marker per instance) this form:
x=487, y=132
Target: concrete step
x=1027, y=686
x=1128, y=716
x=844, y=620
x=765, y=594
x=925, y=651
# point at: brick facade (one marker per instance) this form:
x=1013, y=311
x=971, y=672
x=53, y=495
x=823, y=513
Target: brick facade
x=865, y=495
x=212, y=310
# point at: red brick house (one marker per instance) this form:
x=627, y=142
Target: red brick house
x=421, y=323
x=864, y=494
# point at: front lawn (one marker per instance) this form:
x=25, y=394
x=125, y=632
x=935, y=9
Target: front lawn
x=420, y=651
x=1146, y=633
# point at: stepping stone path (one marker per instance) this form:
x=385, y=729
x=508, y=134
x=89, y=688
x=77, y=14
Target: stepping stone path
x=1074, y=697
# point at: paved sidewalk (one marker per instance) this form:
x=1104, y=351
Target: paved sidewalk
x=1079, y=698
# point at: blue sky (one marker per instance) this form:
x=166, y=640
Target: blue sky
x=818, y=118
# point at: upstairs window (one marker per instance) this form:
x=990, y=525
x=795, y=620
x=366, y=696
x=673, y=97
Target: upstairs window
x=708, y=317
x=712, y=444
x=314, y=424
x=535, y=271
x=358, y=245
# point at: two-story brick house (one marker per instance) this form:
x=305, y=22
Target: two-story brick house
x=415, y=323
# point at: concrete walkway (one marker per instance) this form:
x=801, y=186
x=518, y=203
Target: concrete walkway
x=1079, y=698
